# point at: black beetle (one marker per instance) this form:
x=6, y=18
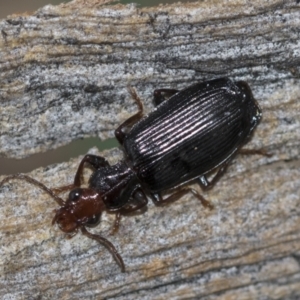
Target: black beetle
x=195, y=131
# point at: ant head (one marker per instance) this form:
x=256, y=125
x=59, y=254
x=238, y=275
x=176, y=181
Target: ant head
x=82, y=208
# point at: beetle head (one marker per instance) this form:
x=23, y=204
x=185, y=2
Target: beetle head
x=82, y=208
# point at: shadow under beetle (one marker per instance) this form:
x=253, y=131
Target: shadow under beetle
x=195, y=131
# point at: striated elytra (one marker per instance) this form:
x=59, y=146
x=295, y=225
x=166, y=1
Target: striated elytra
x=195, y=131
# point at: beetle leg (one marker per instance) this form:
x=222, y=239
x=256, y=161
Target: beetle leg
x=159, y=97
x=254, y=151
x=116, y=225
x=63, y=188
x=203, y=181
x=108, y=245
x=120, y=133
x=142, y=201
x=95, y=161
x=159, y=201
x=207, y=185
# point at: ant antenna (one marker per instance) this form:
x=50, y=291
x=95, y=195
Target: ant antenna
x=29, y=179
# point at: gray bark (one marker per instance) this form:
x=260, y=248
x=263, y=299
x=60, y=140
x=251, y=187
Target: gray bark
x=64, y=74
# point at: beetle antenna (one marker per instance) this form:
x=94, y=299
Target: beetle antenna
x=29, y=179
x=107, y=244
x=135, y=96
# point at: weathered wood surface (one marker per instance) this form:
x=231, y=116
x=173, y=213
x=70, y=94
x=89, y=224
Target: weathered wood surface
x=64, y=72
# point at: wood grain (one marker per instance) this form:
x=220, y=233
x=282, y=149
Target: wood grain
x=64, y=74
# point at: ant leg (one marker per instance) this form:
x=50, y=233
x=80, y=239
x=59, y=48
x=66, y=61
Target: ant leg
x=159, y=97
x=159, y=201
x=262, y=152
x=142, y=201
x=119, y=132
x=108, y=245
